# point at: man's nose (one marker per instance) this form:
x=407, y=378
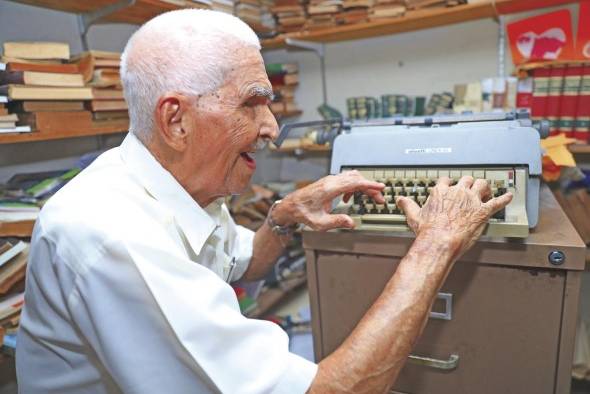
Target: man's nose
x=269, y=129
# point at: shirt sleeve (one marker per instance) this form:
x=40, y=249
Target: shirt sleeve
x=159, y=322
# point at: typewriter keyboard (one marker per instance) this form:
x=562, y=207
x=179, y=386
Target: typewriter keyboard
x=417, y=183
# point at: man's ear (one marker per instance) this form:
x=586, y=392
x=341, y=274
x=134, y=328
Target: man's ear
x=170, y=109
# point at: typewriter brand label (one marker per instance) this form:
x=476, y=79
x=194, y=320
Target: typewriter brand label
x=429, y=150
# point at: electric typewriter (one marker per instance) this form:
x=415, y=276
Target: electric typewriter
x=410, y=154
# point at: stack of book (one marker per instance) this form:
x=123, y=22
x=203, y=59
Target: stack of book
x=190, y=3
x=250, y=11
x=388, y=9
x=322, y=13
x=391, y=105
x=226, y=6
x=354, y=11
x=100, y=70
x=13, y=262
x=45, y=92
x=290, y=15
x=284, y=78
x=561, y=95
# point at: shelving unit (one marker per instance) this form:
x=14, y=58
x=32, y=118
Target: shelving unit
x=414, y=20
x=96, y=130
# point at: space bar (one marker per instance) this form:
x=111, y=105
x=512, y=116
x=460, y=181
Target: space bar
x=383, y=218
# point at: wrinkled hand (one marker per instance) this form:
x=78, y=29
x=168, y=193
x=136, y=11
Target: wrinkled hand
x=457, y=214
x=311, y=205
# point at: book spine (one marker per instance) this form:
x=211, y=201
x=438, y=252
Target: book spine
x=524, y=93
x=540, y=91
x=277, y=80
x=554, y=98
x=569, y=99
x=12, y=77
x=583, y=108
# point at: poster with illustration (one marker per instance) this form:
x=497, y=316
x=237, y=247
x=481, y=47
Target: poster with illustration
x=583, y=38
x=542, y=37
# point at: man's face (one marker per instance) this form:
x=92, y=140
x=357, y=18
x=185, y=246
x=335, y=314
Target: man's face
x=227, y=124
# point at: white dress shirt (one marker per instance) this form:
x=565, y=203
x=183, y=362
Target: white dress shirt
x=127, y=292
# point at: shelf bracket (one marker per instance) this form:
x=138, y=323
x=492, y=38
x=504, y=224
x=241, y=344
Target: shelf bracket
x=319, y=48
x=87, y=19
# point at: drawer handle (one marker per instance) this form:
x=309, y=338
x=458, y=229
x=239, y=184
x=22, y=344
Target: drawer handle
x=446, y=365
x=448, y=313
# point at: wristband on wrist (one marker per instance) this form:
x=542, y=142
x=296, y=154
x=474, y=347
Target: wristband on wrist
x=276, y=228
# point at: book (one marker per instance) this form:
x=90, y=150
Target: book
x=40, y=67
x=7, y=124
x=40, y=78
x=107, y=105
x=13, y=270
x=89, y=62
x=107, y=94
x=11, y=304
x=554, y=98
x=57, y=121
x=17, y=129
x=22, y=92
x=37, y=50
x=45, y=106
x=540, y=93
x=582, y=131
x=281, y=68
x=569, y=99
x=7, y=253
x=9, y=118
x=106, y=77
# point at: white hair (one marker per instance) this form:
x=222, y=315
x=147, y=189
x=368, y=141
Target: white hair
x=185, y=51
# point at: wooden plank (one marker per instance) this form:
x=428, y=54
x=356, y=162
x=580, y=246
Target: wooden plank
x=506, y=7
x=16, y=229
x=97, y=129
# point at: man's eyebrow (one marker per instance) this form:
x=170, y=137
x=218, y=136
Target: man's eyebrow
x=260, y=91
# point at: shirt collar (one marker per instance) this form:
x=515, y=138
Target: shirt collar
x=194, y=220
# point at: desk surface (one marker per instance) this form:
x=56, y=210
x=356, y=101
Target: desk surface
x=553, y=232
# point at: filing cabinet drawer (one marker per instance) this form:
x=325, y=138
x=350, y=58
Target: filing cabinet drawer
x=504, y=325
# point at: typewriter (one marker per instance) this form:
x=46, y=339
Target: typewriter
x=410, y=154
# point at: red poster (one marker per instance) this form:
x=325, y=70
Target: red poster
x=542, y=37
x=583, y=38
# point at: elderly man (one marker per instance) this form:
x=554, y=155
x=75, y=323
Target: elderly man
x=127, y=288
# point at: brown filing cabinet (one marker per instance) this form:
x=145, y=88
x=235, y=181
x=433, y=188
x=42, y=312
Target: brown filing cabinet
x=504, y=321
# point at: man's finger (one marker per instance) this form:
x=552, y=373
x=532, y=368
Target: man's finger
x=482, y=189
x=444, y=180
x=351, y=185
x=465, y=181
x=497, y=203
x=375, y=195
x=328, y=222
x=409, y=207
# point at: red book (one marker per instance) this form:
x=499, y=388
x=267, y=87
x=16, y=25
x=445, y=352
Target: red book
x=583, y=111
x=569, y=99
x=540, y=91
x=554, y=98
x=524, y=93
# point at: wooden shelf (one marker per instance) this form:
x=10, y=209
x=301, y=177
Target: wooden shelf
x=97, y=129
x=579, y=148
x=414, y=20
x=137, y=14
x=16, y=229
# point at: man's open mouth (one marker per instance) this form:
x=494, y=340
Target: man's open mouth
x=250, y=158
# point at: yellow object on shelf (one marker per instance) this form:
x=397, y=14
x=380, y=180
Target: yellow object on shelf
x=555, y=148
